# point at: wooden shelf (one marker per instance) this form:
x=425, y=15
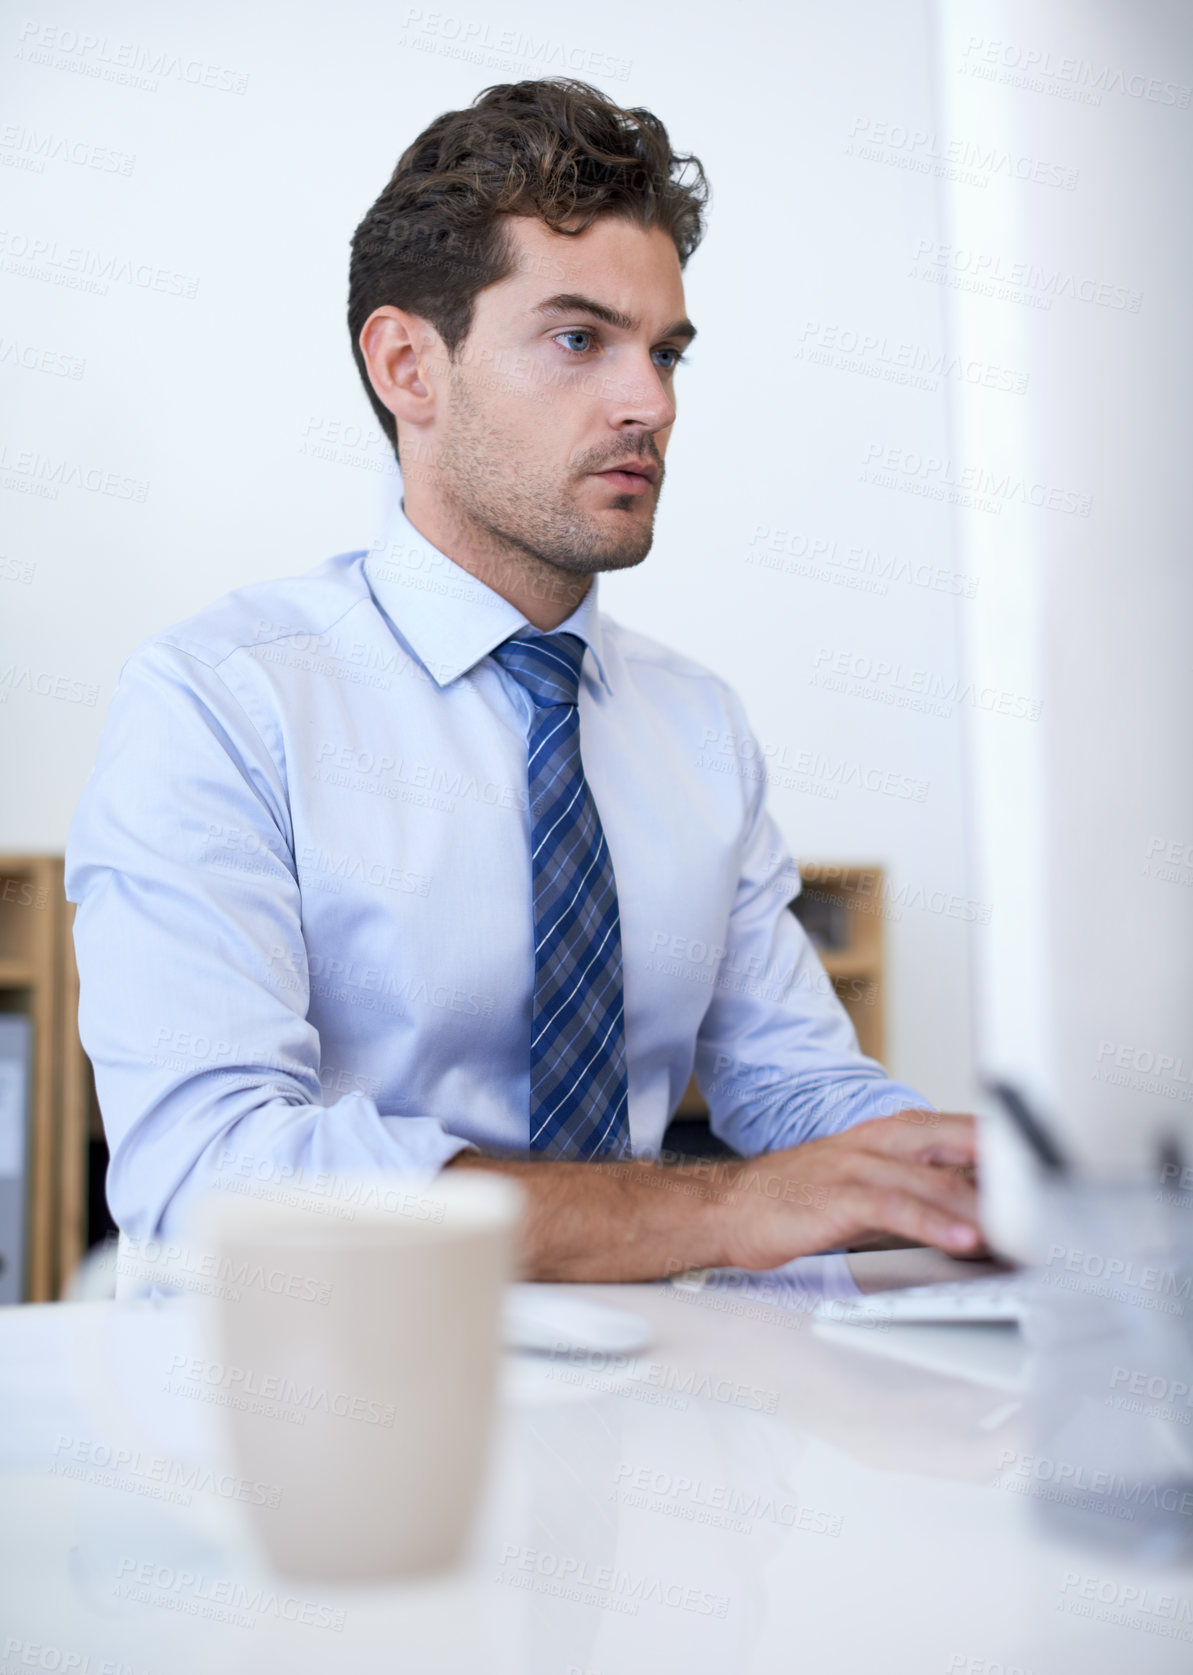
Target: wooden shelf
x=38, y=978
x=844, y=899
x=846, y=965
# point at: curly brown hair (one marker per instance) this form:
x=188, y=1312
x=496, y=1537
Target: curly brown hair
x=556, y=149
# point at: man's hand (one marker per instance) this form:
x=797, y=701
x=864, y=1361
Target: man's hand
x=909, y=1175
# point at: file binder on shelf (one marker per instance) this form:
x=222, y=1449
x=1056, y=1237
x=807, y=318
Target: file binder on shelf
x=16, y=1065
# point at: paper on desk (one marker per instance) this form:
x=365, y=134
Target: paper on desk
x=804, y=1285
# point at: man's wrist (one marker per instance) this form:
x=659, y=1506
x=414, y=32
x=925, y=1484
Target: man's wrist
x=653, y=1219
x=709, y=1185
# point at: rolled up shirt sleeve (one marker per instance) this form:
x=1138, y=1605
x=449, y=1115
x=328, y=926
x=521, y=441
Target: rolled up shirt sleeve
x=194, y=984
x=777, y=1057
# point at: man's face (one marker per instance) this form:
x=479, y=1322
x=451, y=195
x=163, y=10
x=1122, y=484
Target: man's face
x=567, y=373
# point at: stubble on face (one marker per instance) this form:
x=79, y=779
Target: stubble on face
x=520, y=506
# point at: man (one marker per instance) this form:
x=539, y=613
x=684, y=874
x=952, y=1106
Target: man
x=420, y=861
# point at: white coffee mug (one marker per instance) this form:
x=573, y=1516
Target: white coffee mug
x=351, y=1344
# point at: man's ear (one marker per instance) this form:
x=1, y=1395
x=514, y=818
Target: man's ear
x=404, y=355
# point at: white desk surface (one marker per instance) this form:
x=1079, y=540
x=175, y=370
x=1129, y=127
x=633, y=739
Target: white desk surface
x=751, y=1493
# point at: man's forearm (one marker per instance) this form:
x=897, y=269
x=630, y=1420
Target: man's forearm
x=621, y=1221
x=591, y=1222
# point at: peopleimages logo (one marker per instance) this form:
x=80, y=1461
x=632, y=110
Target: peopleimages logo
x=974, y=162
x=1116, y=1270
x=773, y=761
x=196, y=1594
x=181, y=1265
x=1153, y=1394
x=1064, y=75
x=1069, y=1480
x=349, y=767
x=1128, y=1598
x=873, y=355
x=826, y=557
x=1145, y=1060
x=928, y=691
x=51, y=473
x=606, y=1585
x=193, y=1373
x=721, y=1504
x=993, y=274
x=977, y=486
x=482, y=41
x=308, y=1187
x=79, y=268
x=19, y=677
x=127, y=62
x=154, y=1475
x=32, y=149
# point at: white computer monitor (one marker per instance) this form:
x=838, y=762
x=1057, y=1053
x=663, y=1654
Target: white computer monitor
x=1073, y=263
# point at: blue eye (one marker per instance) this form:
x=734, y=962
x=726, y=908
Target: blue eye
x=587, y=342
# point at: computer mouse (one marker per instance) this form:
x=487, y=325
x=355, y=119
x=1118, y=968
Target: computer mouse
x=552, y=1318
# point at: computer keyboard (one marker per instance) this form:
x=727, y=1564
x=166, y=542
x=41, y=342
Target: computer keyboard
x=998, y=1297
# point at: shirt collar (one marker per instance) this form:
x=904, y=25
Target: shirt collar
x=450, y=618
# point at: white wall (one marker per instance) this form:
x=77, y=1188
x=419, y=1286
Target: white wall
x=238, y=409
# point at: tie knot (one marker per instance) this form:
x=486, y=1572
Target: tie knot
x=547, y=665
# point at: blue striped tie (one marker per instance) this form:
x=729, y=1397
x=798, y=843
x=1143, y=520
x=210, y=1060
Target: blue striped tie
x=578, y=1087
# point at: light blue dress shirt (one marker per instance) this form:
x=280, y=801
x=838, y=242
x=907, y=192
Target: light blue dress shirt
x=302, y=870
